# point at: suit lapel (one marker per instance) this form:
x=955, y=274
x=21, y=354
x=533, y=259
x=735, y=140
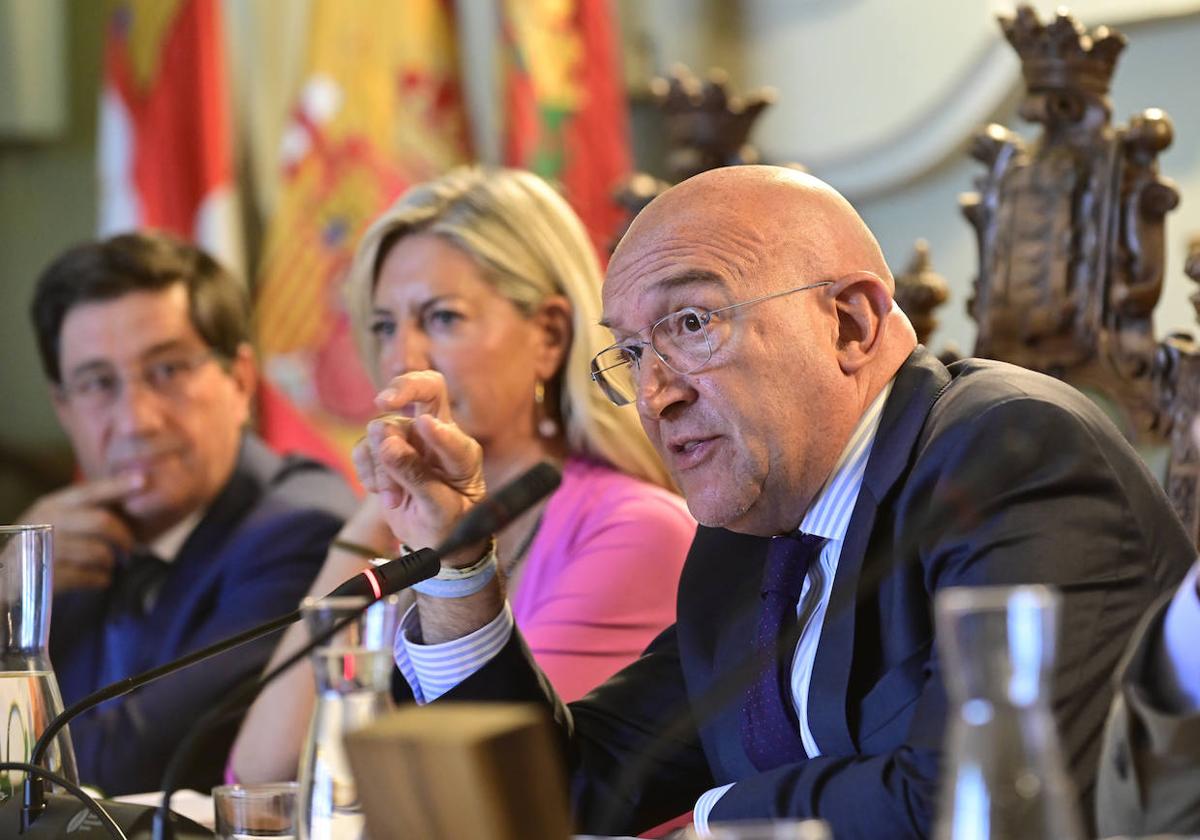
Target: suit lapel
x=917, y=386
x=193, y=567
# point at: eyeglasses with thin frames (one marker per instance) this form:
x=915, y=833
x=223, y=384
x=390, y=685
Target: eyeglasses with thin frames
x=99, y=387
x=682, y=340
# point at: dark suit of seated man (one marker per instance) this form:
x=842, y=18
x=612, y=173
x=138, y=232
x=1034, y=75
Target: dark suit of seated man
x=841, y=472
x=1150, y=766
x=185, y=527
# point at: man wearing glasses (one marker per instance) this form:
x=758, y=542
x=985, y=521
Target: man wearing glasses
x=184, y=528
x=843, y=477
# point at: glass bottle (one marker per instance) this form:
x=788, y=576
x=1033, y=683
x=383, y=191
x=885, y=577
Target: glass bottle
x=1003, y=773
x=29, y=697
x=353, y=672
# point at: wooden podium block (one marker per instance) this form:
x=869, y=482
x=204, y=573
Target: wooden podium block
x=460, y=771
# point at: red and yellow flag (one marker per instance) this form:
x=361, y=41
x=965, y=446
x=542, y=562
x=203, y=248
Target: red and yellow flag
x=165, y=150
x=380, y=109
x=566, y=108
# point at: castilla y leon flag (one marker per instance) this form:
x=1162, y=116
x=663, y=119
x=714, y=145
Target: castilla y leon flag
x=165, y=154
x=567, y=118
x=380, y=108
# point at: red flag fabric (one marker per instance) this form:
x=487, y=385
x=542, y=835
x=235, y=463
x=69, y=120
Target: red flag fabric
x=565, y=103
x=165, y=146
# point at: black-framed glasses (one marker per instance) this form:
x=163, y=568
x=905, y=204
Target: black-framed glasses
x=98, y=387
x=683, y=340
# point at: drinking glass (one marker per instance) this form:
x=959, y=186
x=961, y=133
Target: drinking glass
x=1004, y=774
x=353, y=671
x=29, y=697
x=261, y=810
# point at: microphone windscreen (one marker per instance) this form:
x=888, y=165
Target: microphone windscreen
x=499, y=509
x=392, y=576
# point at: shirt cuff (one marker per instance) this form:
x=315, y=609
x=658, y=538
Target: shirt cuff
x=432, y=670
x=1179, y=671
x=704, y=806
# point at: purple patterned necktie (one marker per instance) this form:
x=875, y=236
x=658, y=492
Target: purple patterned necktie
x=770, y=730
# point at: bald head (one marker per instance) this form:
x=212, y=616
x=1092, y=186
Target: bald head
x=784, y=212
x=776, y=329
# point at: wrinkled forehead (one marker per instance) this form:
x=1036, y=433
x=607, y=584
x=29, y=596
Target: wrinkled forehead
x=659, y=262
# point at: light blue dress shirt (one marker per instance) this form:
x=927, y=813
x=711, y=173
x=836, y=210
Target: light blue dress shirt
x=1178, y=673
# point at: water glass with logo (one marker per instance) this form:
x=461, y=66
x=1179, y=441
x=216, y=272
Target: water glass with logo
x=29, y=697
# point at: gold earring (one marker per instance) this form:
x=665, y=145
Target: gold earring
x=546, y=426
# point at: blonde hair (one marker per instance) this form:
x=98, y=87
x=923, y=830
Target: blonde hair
x=530, y=245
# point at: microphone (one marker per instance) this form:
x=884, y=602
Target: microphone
x=496, y=512
x=383, y=580
x=490, y=514
x=53, y=813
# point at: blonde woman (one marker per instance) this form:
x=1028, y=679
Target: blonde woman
x=483, y=284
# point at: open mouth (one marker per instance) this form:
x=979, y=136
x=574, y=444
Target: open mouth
x=689, y=452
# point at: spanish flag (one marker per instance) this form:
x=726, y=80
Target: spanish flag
x=380, y=109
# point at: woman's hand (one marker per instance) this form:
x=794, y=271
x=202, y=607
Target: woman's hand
x=425, y=470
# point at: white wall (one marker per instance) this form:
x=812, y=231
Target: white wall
x=880, y=98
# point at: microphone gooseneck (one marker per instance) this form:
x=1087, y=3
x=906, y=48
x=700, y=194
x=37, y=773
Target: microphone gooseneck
x=129, y=684
x=420, y=565
x=489, y=515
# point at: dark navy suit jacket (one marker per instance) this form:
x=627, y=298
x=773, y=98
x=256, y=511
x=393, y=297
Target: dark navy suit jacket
x=252, y=557
x=980, y=474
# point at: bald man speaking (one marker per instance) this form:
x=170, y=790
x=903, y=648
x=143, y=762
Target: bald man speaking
x=843, y=476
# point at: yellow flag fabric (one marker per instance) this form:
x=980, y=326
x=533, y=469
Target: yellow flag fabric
x=380, y=109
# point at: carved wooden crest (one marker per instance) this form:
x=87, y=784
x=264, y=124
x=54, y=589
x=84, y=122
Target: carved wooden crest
x=1070, y=226
x=707, y=126
x=920, y=291
x=1177, y=375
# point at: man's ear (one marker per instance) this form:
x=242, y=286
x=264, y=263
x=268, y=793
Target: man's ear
x=554, y=333
x=863, y=302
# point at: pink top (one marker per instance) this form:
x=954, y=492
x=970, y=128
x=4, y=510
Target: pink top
x=599, y=581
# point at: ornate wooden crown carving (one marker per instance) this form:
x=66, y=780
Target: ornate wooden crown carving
x=707, y=124
x=920, y=291
x=1062, y=54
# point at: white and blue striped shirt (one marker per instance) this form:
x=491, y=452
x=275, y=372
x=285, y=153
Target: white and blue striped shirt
x=432, y=670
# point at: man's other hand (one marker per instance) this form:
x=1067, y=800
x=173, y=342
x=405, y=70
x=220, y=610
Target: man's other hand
x=88, y=532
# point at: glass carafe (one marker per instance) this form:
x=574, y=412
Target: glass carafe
x=353, y=673
x=29, y=697
x=1003, y=774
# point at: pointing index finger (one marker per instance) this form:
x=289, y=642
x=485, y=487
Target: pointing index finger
x=107, y=489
